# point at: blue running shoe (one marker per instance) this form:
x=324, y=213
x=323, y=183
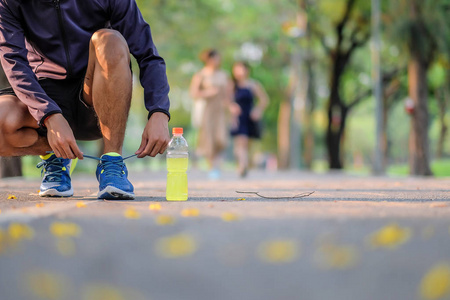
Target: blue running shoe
x=112, y=177
x=56, y=176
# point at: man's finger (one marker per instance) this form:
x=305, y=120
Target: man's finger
x=146, y=151
x=77, y=151
x=62, y=153
x=149, y=148
x=156, y=149
x=163, y=147
x=68, y=151
x=56, y=151
x=141, y=147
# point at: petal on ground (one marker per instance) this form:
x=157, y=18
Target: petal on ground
x=240, y=199
x=39, y=205
x=3, y=239
x=229, y=217
x=278, y=251
x=11, y=197
x=104, y=291
x=436, y=282
x=46, y=285
x=154, y=206
x=165, y=220
x=80, y=204
x=65, y=229
x=131, y=213
x=342, y=257
x=19, y=231
x=390, y=236
x=190, y=212
x=180, y=245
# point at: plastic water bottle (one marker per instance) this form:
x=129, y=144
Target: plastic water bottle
x=177, y=165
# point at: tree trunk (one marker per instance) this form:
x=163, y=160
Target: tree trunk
x=308, y=152
x=385, y=139
x=10, y=167
x=283, y=135
x=419, y=159
x=442, y=104
x=441, y=97
x=337, y=115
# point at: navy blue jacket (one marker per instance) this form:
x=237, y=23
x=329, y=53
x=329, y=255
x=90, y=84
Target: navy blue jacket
x=50, y=39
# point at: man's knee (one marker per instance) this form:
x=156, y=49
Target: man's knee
x=13, y=114
x=110, y=47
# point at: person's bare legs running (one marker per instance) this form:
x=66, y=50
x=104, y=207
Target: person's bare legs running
x=241, y=149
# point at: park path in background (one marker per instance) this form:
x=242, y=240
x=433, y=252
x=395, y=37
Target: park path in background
x=354, y=238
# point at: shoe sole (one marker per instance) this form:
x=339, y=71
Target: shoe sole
x=56, y=193
x=113, y=193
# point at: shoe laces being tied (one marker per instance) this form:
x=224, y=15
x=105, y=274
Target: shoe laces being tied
x=54, y=169
x=112, y=168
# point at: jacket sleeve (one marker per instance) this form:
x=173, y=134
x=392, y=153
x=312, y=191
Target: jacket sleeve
x=13, y=57
x=128, y=20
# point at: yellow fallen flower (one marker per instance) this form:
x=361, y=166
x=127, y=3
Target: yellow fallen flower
x=278, y=251
x=390, y=236
x=11, y=197
x=240, y=199
x=165, y=220
x=190, y=212
x=131, y=213
x=39, y=205
x=19, y=231
x=104, y=291
x=154, y=206
x=342, y=257
x=46, y=285
x=229, y=217
x=65, y=229
x=80, y=204
x=436, y=282
x=180, y=245
x=3, y=239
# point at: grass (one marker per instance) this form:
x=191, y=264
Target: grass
x=440, y=168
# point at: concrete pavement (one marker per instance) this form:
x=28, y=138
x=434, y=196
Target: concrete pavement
x=354, y=238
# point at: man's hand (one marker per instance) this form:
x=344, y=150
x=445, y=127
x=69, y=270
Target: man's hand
x=60, y=137
x=155, y=137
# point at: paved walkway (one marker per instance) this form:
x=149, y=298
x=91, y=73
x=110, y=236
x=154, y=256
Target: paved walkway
x=354, y=238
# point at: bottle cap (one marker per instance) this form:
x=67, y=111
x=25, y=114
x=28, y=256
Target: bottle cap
x=177, y=130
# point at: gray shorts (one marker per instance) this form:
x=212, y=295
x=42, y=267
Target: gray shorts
x=68, y=94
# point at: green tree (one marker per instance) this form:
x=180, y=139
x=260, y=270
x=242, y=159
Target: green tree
x=343, y=28
x=422, y=30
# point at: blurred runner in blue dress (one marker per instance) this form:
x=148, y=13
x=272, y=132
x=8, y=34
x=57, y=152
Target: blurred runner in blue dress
x=247, y=125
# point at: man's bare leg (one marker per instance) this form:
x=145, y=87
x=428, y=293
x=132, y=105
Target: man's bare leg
x=108, y=85
x=18, y=135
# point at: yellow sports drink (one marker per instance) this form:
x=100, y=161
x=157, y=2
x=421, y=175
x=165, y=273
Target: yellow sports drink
x=177, y=165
